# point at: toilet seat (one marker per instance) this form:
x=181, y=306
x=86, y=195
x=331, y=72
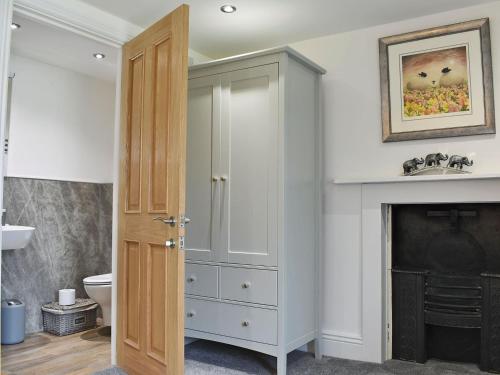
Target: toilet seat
x=104, y=279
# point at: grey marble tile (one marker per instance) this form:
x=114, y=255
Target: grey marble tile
x=72, y=240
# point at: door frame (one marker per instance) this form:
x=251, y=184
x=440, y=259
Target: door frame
x=96, y=25
x=93, y=23
x=5, y=36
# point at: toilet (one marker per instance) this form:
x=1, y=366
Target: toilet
x=99, y=289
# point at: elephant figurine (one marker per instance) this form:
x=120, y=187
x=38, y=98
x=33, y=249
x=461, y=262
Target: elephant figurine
x=434, y=160
x=457, y=161
x=411, y=165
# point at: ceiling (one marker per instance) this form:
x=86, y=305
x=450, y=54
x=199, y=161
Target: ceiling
x=260, y=24
x=68, y=50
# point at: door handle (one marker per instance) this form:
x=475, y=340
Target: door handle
x=170, y=243
x=170, y=221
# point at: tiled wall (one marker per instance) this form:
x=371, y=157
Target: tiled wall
x=72, y=240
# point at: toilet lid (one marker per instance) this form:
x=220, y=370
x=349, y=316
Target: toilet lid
x=98, y=279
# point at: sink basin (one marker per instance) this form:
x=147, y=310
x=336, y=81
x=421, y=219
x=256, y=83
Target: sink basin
x=16, y=237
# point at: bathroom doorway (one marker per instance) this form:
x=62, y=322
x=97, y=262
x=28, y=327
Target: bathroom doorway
x=59, y=163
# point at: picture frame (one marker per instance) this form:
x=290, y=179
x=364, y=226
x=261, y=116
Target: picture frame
x=437, y=82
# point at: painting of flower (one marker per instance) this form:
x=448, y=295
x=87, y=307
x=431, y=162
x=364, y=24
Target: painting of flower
x=436, y=83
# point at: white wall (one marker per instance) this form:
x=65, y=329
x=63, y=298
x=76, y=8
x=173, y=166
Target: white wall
x=353, y=148
x=61, y=124
x=197, y=58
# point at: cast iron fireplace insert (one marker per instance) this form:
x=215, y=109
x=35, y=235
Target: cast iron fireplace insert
x=446, y=283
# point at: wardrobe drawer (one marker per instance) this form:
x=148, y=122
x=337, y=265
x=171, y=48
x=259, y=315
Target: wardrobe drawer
x=202, y=280
x=249, y=285
x=242, y=322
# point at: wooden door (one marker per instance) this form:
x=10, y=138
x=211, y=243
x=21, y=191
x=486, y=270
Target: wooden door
x=150, y=337
x=203, y=184
x=249, y=154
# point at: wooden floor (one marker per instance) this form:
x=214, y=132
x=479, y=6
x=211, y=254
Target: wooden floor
x=44, y=354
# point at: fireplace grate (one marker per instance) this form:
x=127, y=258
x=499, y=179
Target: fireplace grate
x=453, y=301
x=422, y=298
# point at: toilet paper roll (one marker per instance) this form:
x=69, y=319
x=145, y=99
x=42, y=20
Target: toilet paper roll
x=66, y=297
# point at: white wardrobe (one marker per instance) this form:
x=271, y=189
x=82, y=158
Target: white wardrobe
x=253, y=197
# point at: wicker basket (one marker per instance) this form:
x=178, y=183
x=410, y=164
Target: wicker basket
x=65, y=320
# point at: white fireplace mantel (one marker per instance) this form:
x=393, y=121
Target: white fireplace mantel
x=393, y=179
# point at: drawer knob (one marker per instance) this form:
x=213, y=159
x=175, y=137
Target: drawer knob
x=246, y=285
x=245, y=323
x=191, y=314
x=191, y=279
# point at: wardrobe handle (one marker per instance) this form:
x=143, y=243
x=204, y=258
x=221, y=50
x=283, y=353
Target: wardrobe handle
x=223, y=178
x=215, y=178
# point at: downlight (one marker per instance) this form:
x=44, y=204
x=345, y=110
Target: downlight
x=228, y=8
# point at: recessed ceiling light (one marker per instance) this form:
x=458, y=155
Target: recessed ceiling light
x=99, y=56
x=15, y=26
x=228, y=8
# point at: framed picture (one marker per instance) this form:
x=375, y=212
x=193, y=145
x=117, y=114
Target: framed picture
x=437, y=83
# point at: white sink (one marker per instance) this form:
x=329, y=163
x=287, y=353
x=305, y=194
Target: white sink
x=16, y=236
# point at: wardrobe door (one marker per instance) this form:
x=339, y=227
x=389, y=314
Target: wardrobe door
x=249, y=185
x=203, y=158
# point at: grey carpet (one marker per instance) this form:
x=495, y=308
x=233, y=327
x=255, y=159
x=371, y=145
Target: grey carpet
x=111, y=371
x=204, y=357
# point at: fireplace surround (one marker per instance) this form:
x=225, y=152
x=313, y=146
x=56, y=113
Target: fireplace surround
x=446, y=283
x=364, y=330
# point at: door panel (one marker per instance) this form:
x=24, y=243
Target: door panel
x=203, y=160
x=132, y=292
x=134, y=131
x=158, y=162
x=156, y=290
x=150, y=286
x=249, y=154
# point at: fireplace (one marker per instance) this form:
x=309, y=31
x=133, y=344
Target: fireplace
x=446, y=283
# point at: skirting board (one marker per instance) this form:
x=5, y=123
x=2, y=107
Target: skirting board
x=344, y=345
x=345, y=338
